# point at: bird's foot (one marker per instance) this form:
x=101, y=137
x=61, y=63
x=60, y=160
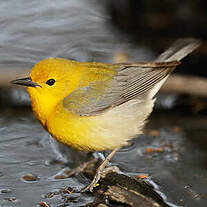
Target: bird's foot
x=101, y=173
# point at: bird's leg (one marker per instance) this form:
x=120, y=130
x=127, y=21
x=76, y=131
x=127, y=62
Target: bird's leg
x=99, y=171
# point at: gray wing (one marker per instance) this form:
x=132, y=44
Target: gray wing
x=132, y=81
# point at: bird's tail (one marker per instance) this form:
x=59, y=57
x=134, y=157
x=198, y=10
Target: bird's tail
x=179, y=49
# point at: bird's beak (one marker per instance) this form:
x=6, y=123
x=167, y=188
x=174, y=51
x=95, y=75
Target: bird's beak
x=25, y=82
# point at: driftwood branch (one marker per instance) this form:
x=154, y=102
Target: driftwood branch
x=119, y=189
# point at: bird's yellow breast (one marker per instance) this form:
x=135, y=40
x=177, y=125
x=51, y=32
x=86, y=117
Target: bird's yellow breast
x=71, y=129
x=80, y=132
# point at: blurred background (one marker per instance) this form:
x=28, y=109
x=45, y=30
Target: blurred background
x=105, y=31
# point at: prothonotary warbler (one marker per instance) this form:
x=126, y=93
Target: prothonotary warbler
x=94, y=106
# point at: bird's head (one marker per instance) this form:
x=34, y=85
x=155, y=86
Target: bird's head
x=49, y=82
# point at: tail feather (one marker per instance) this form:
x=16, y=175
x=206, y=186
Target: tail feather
x=179, y=49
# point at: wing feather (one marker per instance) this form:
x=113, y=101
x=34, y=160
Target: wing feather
x=131, y=81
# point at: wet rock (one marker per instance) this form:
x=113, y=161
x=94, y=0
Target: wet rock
x=30, y=177
x=4, y=191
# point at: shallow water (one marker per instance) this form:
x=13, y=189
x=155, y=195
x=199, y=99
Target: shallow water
x=178, y=171
x=25, y=149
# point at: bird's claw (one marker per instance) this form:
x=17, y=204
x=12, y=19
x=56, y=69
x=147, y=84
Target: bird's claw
x=99, y=174
x=101, y=171
x=93, y=184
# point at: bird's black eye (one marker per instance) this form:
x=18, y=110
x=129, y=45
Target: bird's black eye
x=50, y=82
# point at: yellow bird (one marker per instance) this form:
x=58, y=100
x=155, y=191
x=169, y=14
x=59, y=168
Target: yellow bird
x=96, y=106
